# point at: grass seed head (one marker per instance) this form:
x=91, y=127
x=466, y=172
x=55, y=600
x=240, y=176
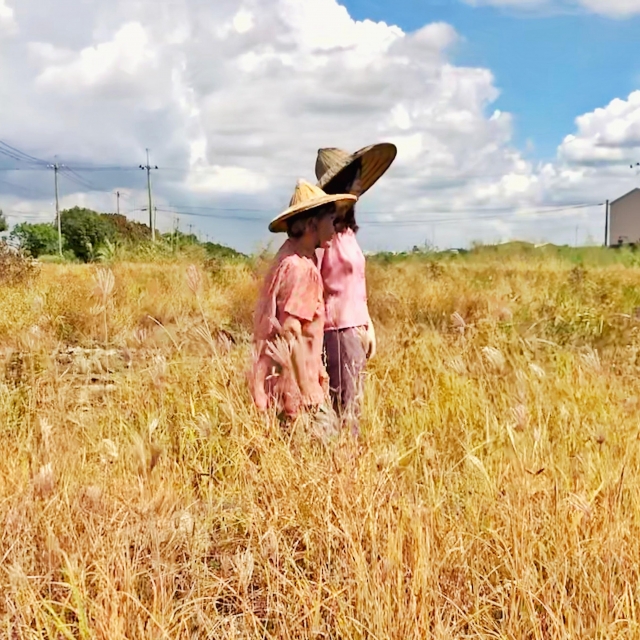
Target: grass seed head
x=44, y=482
x=194, y=279
x=108, y=451
x=104, y=281
x=494, y=358
x=458, y=322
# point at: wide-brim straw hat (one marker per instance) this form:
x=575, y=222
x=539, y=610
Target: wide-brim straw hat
x=307, y=197
x=376, y=159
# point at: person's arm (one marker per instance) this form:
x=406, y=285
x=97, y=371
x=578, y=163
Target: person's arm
x=292, y=332
x=257, y=382
x=371, y=339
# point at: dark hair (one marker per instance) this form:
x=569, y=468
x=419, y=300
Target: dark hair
x=297, y=225
x=343, y=182
x=347, y=221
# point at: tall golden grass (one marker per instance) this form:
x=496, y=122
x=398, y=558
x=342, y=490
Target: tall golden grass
x=495, y=492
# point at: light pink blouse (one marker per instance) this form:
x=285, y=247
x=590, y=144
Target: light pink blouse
x=342, y=265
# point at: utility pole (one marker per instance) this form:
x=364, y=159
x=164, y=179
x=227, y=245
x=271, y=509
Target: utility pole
x=55, y=179
x=118, y=202
x=55, y=166
x=174, y=235
x=152, y=225
x=606, y=224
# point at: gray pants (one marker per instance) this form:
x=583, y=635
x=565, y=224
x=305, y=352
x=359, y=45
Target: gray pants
x=346, y=360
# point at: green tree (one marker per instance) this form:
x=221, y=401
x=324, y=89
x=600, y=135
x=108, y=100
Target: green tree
x=37, y=239
x=85, y=231
x=215, y=250
x=3, y=222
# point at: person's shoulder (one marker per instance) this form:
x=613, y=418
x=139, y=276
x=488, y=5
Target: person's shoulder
x=293, y=260
x=299, y=264
x=346, y=243
x=350, y=235
x=346, y=237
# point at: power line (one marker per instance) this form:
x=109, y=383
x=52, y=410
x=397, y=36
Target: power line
x=8, y=154
x=450, y=216
x=213, y=216
x=72, y=179
x=542, y=209
x=21, y=155
x=27, y=190
x=71, y=173
x=474, y=214
x=23, y=168
x=188, y=206
x=76, y=178
x=469, y=219
x=115, y=169
x=19, y=211
x=502, y=209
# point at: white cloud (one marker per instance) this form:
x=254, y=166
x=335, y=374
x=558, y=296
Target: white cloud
x=594, y=163
x=235, y=180
x=234, y=99
x=610, y=135
x=613, y=8
x=7, y=19
x=119, y=60
x=610, y=8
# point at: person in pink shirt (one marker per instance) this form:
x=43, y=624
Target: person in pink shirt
x=349, y=338
x=288, y=373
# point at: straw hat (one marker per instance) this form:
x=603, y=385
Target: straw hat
x=305, y=198
x=376, y=159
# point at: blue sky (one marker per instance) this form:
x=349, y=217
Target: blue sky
x=550, y=66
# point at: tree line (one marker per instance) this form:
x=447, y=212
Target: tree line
x=87, y=233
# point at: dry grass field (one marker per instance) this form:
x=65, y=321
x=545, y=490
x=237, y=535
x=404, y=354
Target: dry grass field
x=495, y=492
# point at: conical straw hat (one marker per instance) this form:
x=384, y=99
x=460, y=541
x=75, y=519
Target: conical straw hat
x=306, y=197
x=376, y=159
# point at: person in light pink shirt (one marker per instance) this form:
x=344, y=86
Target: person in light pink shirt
x=349, y=338
x=288, y=373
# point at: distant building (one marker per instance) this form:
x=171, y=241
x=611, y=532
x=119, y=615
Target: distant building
x=624, y=219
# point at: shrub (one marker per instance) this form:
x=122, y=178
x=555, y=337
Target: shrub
x=16, y=266
x=85, y=231
x=36, y=239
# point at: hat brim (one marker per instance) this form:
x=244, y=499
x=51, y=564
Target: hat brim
x=376, y=160
x=279, y=223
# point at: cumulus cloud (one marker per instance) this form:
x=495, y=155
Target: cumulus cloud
x=109, y=64
x=614, y=8
x=610, y=8
x=7, y=21
x=595, y=162
x=234, y=99
x=606, y=136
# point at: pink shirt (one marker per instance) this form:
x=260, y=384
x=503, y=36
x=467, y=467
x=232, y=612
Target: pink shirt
x=342, y=266
x=293, y=287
